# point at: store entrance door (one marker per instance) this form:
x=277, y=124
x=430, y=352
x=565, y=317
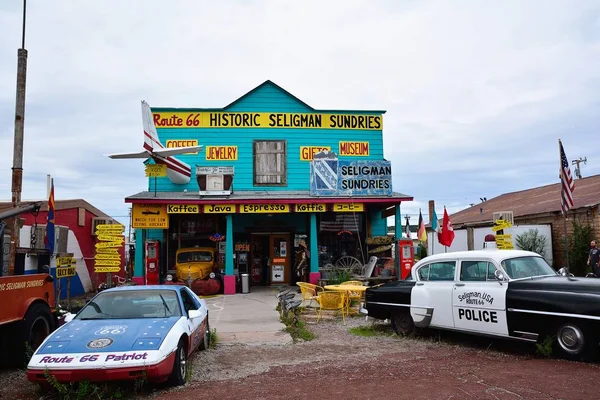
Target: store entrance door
x=280, y=249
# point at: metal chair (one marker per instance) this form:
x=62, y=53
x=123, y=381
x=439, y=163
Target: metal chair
x=331, y=301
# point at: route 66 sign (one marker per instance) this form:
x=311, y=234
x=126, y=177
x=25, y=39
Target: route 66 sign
x=111, y=330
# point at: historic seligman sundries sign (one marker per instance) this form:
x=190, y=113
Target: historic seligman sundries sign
x=333, y=177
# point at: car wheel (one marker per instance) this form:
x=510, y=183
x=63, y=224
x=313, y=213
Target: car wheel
x=205, y=345
x=573, y=341
x=178, y=374
x=403, y=324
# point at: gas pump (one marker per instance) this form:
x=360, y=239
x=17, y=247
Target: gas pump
x=151, y=272
x=406, y=254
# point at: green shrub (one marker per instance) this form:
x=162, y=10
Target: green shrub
x=532, y=240
x=579, y=248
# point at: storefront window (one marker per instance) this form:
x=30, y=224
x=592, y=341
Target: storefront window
x=341, y=235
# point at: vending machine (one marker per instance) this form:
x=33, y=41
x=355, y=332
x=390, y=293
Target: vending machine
x=406, y=254
x=152, y=262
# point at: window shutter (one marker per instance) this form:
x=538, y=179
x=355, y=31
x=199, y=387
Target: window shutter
x=270, y=162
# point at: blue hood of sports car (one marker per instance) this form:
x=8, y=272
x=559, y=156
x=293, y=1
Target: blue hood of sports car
x=108, y=335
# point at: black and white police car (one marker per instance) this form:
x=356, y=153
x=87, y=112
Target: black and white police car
x=503, y=293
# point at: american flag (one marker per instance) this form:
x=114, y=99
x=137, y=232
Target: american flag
x=566, y=180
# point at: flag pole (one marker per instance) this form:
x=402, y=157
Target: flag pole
x=564, y=212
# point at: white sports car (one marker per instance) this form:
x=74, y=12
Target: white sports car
x=126, y=333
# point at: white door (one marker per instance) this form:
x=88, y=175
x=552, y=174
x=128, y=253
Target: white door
x=479, y=299
x=431, y=297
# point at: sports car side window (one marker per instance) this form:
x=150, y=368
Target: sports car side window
x=188, y=302
x=442, y=271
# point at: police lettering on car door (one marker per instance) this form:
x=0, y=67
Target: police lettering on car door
x=478, y=299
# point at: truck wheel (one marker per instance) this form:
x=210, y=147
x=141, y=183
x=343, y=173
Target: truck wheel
x=403, y=324
x=179, y=372
x=36, y=326
x=574, y=341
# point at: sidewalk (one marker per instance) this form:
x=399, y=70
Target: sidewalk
x=250, y=319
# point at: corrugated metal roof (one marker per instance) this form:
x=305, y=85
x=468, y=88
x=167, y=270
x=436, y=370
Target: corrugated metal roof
x=540, y=200
x=260, y=195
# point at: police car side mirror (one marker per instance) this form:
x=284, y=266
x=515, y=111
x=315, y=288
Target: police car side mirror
x=563, y=272
x=499, y=275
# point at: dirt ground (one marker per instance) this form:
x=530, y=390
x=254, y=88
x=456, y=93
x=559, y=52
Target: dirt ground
x=339, y=364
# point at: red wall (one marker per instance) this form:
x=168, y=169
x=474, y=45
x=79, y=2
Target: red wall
x=69, y=218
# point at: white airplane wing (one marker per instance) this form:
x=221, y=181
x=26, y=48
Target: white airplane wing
x=142, y=154
x=173, y=151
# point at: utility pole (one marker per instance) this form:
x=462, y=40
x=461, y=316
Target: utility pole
x=577, y=162
x=17, y=169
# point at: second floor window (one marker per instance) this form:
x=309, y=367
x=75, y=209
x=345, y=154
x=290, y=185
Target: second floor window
x=270, y=167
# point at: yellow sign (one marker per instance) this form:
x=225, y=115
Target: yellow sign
x=107, y=250
x=111, y=238
x=181, y=143
x=150, y=216
x=267, y=120
x=109, y=229
x=307, y=153
x=112, y=263
x=264, y=208
x=107, y=269
x=348, y=207
x=504, y=242
x=214, y=153
x=105, y=245
x=65, y=261
x=63, y=272
x=183, y=208
x=219, y=208
x=108, y=256
x=156, y=170
x=354, y=149
x=310, y=207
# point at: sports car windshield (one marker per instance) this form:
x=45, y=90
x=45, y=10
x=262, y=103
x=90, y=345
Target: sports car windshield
x=132, y=304
x=527, y=267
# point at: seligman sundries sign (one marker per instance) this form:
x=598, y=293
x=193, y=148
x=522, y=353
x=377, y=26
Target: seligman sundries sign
x=334, y=177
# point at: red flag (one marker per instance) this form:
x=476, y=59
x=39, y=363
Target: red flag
x=446, y=236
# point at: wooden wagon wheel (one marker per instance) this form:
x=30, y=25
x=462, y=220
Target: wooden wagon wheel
x=348, y=263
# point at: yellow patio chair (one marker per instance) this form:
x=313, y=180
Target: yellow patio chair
x=332, y=301
x=309, y=292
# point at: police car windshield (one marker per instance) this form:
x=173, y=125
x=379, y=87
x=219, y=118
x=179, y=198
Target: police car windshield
x=132, y=304
x=527, y=267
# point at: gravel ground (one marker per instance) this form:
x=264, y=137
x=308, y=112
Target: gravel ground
x=338, y=364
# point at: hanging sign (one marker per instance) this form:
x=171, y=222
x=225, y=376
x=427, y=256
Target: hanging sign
x=149, y=216
x=156, y=170
x=264, y=208
x=64, y=272
x=277, y=273
x=219, y=208
x=183, y=208
x=349, y=207
x=334, y=177
x=320, y=207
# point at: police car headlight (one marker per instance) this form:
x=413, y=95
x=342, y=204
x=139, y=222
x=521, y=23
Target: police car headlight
x=169, y=278
x=212, y=275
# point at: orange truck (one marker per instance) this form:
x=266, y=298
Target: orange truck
x=28, y=310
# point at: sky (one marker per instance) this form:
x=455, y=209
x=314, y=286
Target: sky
x=477, y=93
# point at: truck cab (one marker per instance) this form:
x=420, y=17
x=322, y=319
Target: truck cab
x=194, y=262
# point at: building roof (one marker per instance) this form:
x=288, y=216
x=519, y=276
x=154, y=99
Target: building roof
x=61, y=205
x=275, y=197
x=265, y=83
x=539, y=200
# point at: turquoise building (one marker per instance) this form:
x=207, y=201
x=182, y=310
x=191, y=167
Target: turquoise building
x=273, y=175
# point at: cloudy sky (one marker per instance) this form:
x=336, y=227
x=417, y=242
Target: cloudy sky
x=477, y=93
